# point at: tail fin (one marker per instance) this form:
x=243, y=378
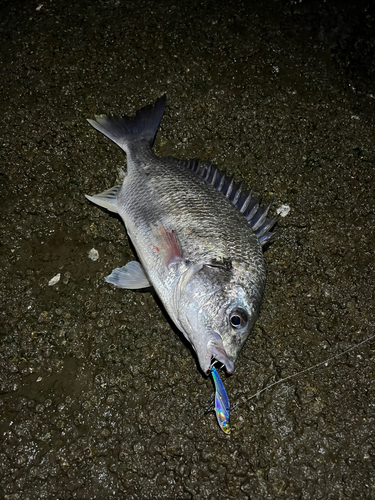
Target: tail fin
x=122, y=130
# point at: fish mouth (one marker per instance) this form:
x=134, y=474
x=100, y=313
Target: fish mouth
x=215, y=349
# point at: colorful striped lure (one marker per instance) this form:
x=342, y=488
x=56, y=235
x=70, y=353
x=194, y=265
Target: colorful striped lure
x=221, y=402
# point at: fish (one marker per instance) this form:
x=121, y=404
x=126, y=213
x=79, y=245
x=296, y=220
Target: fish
x=222, y=408
x=197, y=234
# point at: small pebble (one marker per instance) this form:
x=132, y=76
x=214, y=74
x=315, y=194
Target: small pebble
x=54, y=280
x=93, y=254
x=283, y=210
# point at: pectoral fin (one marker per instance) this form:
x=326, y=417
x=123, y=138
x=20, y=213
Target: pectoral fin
x=131, y=276
x=167, y=244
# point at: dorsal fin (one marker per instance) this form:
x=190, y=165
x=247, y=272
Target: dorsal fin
x=248, y=205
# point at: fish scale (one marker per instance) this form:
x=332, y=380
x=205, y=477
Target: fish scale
x=190, y=210
x=200, y=253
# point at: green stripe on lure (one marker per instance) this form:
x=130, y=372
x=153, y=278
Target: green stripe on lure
x=221, y=402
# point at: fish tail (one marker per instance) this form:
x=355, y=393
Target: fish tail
x=123, y=130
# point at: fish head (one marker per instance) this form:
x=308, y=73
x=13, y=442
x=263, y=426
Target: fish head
x=218, y=307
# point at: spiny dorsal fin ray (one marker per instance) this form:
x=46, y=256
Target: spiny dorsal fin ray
x=250, y=206
x=192, y=164
x=259, y=217
x=266, y=225
x=265, y=238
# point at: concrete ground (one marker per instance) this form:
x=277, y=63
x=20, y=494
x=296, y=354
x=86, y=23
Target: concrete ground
x=99, y=395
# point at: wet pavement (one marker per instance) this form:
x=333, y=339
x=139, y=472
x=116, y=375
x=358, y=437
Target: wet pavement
x=100, y=397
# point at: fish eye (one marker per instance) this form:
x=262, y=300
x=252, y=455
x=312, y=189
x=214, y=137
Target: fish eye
x=238, y=318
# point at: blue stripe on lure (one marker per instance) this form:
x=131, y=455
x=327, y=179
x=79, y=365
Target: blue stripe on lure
x=221, y=402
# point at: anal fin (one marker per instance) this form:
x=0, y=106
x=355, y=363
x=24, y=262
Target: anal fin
x=106, y=199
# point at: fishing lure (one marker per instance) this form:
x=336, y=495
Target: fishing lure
x=221, y=402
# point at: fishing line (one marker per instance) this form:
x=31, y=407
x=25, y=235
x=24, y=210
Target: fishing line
x=325, y=362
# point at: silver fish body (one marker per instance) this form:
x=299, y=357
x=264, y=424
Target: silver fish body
x=199, y=252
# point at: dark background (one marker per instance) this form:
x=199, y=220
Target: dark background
x=99, y=396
